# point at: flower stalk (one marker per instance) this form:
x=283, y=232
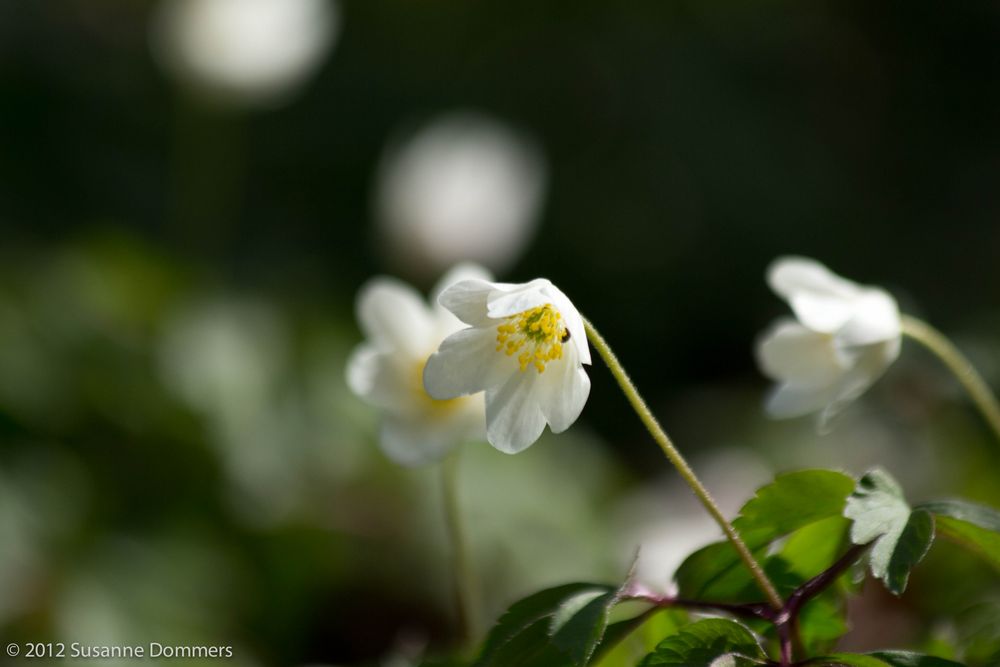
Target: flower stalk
x=960, y=367
x=678, y=461
x=466, y=589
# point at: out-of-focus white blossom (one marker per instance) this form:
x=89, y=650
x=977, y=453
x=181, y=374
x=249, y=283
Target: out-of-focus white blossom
x=465, y=187
x=843, y=338
x=254, y=52
x=401, y=332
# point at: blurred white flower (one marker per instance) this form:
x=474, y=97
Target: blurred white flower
x=843, y=339
x=249, y=51
x=466, y=187
x=516, y=334
x=386, y=370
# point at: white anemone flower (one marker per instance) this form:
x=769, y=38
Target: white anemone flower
x=386, y=370
x=524, y=347
x=843, y=338
x=251, y=51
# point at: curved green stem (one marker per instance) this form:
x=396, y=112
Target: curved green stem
x=959, y=365
x=675, y=457
x=465, y=586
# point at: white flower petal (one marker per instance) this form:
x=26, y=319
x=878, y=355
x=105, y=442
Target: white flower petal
x=875, y=319
x=572, y=320
x=395, y=317
x=507, y=300
x=467, y=362
x=467, y=300
x=790, y=275
x=564, y=389
x=845, y=337
x=789, y=400
x=376, y=377
x=821, y=313
x=413, y=442
x=822, y=300
x=514, y=420
x=790, y=352
x=459, y=273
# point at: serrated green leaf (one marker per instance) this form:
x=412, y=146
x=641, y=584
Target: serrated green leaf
x=579, y=624
x=976, y=527
x=626, y=642
x=791, y=502
x=704, y=643
x=556, y=627
x=881, y=514
x=911, y=548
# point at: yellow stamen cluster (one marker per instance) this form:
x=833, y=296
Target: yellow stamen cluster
x=535, y=336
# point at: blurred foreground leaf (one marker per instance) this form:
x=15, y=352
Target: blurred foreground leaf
x=975, y=527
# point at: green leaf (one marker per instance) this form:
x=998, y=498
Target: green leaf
x=976, y=527
x=977, y=633
x=908, y=659
x=791, y=502
x=701, y=644
x=626, y=642
x=881, y=514
x=847, y=660
x=557, y=627
x=883, y=659
x=911, y=548
x=579, y=624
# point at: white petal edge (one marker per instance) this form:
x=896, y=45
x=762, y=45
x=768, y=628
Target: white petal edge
x=514, y=420
x=507, y=300
x=788, y=400
x=467, y=362
x=393, y=315
x=417, y=442
x=564, y=389
x=790, y=352
x=573, y=322
x=875, y=319
x=466, y=299
x=371, y=375
x=791, y=274
x=460, y=273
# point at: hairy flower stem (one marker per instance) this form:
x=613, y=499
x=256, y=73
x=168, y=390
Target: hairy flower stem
x=466, y=588
x=675, y=457
x=959, y=365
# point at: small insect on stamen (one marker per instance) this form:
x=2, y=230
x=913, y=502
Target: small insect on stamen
x=565, y=336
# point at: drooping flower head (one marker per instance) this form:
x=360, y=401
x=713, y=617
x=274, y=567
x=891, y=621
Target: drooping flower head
x=401, y=332
x=525, y=346
x=842, y=339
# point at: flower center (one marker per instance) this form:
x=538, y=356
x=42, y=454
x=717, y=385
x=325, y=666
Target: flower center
x=536, y=336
